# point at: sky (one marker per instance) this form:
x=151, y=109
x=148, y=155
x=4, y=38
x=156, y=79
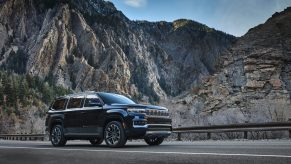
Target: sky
x=234, y=17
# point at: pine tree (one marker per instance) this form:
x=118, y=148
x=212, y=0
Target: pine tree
x=7, y=83
x=23, y=91
x=47, y=92
x=15, y=90
x=1, y=89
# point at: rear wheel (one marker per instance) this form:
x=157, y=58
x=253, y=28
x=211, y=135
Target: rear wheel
x=57, y=136
x=114, y=134
x=96, y=141
x=152, y=141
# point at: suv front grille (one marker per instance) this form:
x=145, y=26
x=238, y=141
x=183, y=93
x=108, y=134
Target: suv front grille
x=154, y=112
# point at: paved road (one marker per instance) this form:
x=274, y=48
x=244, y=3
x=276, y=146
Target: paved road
x=224, y=152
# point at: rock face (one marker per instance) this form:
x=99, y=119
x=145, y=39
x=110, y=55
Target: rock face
x=252, y=84
x=89, y=45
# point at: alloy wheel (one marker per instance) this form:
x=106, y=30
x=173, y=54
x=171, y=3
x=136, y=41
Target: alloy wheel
x=56, y=135
x=113, y=134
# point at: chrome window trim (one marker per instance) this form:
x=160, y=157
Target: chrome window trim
x=82, y=108
x=75, y=109
x=92, y=108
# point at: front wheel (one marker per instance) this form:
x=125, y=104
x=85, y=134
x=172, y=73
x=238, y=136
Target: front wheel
x=96, y=141
x=57, y=136
x=114, y=134
x=152, y=141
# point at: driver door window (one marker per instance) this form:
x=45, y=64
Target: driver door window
x=92, y=101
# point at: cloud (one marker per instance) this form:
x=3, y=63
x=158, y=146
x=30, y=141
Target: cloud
x=135, y=3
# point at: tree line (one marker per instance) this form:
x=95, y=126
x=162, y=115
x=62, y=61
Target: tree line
x=18, y=91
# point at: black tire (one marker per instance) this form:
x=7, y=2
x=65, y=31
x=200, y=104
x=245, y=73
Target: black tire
x=57, y=136
x=114, y=135
x=154, y=141
x=96, y=141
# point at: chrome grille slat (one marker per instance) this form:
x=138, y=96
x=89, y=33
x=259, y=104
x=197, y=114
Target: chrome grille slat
x=156, y=113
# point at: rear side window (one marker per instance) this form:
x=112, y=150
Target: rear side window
x=75, y=102
x=59, y=104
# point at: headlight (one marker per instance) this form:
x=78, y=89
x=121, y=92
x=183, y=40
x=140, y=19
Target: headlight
x=135, y=110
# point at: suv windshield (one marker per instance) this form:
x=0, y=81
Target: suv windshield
x=110, y=98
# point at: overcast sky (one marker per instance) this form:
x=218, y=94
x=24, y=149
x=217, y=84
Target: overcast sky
x=235, y=17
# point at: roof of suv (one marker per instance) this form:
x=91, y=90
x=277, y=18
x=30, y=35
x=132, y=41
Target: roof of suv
x=81, y=94
x=77, y=94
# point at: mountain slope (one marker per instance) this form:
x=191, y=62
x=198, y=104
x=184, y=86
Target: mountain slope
x=252, y=84
x=89, y=45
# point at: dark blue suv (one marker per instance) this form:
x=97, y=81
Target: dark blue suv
x=98, y=116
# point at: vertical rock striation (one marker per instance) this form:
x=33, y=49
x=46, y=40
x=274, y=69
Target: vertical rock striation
x=89, y=45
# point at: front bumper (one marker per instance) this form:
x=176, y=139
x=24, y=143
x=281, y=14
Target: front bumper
x=160, y=130
x=149, y=130
x=142, y=127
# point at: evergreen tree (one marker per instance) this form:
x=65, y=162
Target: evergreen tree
x=1, y=88
x=23, y=91
x=47, y=93
x=15, y=90
x=7, y=83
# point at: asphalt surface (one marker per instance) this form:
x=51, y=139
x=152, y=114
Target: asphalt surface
x=81, y=152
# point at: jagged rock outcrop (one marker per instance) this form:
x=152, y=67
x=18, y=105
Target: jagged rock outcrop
x=89, y=45
x=252, y=84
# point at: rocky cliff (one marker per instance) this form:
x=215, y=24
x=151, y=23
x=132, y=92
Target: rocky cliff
x=252, y=83
x=89, y=45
